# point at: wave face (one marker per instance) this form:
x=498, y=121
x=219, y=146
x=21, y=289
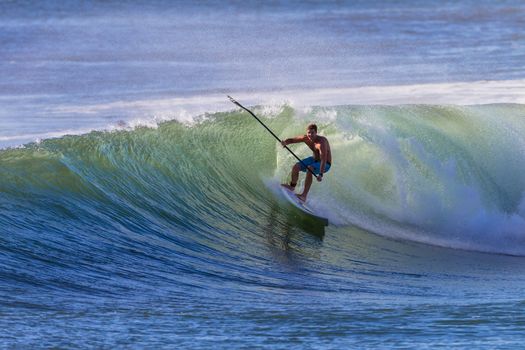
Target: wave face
x=443, y=175
x=174, y=230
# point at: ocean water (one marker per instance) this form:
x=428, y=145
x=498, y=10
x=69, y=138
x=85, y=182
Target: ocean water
x=135, y=210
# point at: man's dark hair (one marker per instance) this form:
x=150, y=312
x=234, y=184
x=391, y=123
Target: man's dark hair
x=312, y=126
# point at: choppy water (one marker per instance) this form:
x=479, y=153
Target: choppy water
x=140, y=216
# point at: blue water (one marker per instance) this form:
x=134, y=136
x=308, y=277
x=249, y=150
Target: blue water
x=134, y=202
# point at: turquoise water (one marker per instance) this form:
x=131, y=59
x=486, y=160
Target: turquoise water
x=134, y=202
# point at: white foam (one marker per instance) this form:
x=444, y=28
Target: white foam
x=460, y=93
x=185, y=109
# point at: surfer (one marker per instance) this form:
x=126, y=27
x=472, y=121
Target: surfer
x=319, y=163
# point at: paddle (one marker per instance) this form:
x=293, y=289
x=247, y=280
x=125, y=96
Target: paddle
x=271, y=132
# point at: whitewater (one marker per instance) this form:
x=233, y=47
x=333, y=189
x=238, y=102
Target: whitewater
x=134, y=202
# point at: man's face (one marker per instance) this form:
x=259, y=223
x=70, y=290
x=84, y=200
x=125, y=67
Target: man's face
x=311, y=133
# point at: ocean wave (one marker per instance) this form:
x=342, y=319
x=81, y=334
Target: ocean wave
x=442, y=175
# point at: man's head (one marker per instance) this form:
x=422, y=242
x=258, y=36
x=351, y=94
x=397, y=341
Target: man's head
x=311, y=131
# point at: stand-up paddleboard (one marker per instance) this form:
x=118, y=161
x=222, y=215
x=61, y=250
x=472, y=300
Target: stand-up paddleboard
x=292, y=198
x=299, y=204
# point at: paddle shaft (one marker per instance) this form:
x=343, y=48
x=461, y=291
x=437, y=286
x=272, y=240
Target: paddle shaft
x=271, y=132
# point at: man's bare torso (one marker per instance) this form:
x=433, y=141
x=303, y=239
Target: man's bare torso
x=315, y=146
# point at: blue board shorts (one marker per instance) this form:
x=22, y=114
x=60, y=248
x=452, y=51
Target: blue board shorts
x=310, y=161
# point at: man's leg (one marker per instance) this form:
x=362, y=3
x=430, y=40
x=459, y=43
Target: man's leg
x=295, y=177
x=307, y=184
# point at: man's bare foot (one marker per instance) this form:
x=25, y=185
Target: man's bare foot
x=288, y=187
x=301, y=197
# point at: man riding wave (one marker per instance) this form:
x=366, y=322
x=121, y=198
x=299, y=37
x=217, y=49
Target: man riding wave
x=319, y=163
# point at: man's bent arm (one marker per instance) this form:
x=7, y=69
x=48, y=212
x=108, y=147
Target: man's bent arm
x=296, y=139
